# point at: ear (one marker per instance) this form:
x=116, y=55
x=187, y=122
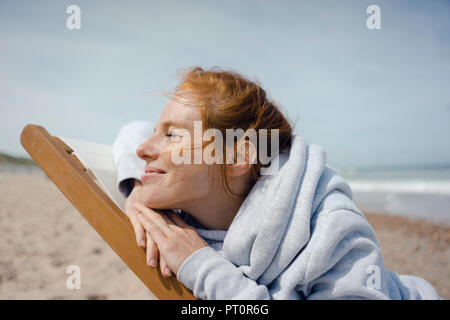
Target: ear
x=246, y=157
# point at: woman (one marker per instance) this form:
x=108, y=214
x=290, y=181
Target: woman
x=229, y=232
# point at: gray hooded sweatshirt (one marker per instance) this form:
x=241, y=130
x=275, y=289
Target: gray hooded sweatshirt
x=297, y=235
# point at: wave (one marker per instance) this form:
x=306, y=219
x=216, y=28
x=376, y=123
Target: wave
x=401, y=186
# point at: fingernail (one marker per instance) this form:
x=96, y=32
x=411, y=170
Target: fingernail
x=142, y=243
x=139, y=215
x=167, y=271
x=153, y=262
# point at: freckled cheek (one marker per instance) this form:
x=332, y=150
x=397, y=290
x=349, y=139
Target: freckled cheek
x=172, y=156
x=184, y=174
x=191, y=175
x=181, y=151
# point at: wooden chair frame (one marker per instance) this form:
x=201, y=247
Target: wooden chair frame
x=70, y=176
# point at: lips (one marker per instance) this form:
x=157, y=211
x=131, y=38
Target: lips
x=153, y=169
x=152, y=173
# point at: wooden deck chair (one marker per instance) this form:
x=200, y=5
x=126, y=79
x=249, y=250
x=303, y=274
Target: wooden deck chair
x=85, y=173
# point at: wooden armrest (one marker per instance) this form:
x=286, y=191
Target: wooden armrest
x=70, y=176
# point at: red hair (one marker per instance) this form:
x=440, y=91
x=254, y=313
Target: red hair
x=230, y=101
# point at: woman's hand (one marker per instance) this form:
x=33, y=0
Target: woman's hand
x=176, y=240
x=142, y=238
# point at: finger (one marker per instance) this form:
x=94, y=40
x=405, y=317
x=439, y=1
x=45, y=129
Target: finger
x=152, y=252
x=165, y=216
x=158, y=220
x=165, y=270
x=152, y=228
x=177, y=219
x=139, y=231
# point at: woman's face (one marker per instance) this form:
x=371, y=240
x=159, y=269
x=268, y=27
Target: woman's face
x=174, y=185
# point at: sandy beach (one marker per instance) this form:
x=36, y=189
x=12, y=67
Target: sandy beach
x=41, y=234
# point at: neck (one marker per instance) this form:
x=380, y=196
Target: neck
x=217, y=210
x=213, y=214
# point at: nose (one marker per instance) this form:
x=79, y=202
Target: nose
x=147, y=151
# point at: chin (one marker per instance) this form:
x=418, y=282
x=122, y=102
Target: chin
x=154, y=201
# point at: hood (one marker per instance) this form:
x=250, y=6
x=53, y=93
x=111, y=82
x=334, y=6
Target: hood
x=273, y=223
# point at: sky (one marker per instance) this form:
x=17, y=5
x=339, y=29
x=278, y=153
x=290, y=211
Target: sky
x=370, y=97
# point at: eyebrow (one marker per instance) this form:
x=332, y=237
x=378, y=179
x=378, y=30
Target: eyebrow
x=172, y=123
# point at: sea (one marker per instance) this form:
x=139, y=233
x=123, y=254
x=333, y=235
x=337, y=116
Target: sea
x=418, y=193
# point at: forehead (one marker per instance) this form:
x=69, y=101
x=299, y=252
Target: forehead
x=176, y=111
